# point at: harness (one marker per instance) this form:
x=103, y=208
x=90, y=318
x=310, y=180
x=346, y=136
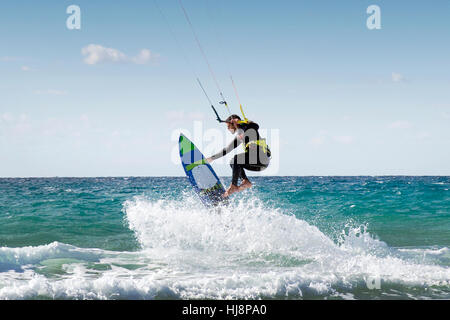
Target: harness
x=262, y=143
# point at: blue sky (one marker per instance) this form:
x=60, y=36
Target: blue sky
x=343, y=99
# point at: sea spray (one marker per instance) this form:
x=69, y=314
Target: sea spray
x=150, y=238
x=248, y=233
x=245, y=227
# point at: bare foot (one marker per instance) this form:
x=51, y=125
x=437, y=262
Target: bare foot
x=245, y=185
x=232, y=189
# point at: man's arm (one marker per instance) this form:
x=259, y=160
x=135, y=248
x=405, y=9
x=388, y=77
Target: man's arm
x=236, y=141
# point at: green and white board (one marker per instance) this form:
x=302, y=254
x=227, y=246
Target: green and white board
x=201, y=175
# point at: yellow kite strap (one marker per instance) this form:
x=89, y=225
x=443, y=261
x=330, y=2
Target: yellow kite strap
x=243, y=115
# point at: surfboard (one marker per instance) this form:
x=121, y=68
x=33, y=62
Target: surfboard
x=201, y=175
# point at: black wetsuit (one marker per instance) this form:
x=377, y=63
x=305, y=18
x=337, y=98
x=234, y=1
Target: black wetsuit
x=255, y=157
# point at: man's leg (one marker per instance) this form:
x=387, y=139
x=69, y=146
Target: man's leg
x=252, y=163
x=245, y=184
x=242, y=161
x=239, y=162
x=236, y=166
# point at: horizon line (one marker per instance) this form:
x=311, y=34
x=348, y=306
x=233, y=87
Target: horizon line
x=181, y=176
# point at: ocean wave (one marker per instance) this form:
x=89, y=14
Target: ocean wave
x=248, y=250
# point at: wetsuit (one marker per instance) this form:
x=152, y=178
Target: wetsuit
x=256, y=155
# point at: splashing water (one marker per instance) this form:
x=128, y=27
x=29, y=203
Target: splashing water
x=248, y=250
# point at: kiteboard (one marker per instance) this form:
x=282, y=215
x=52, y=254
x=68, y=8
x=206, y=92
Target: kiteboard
x=201, y=175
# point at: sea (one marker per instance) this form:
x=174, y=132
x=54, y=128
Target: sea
x=294, y=238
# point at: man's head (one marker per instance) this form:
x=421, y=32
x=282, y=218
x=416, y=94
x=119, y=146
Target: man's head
x=232, y=122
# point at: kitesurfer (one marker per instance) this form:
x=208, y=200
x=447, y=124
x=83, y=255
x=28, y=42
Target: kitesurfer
x=256, y=155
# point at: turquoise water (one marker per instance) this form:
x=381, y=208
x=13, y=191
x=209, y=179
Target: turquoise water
x=287, y=238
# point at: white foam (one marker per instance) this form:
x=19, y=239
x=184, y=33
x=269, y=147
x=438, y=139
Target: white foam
x=246, y=251
x=251, y=230
x=247, y=227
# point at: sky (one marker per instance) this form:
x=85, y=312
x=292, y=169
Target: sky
x=332, y=96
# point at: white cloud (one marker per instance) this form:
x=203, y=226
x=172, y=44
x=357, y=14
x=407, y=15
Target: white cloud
x=323, y=136
x=196, y=116
x=7, y=117
x=346, y=118
x=175, y=115
x=8, y=59
x=51, y=92
x=344, y=139
x=95, y=54
x=25, y=68
x=400, y=124
x=397, y=77
x=319, y=139
x=84, y=118
x=144, y=57
x=423, y=135
x=15, y=125
x=180, y=115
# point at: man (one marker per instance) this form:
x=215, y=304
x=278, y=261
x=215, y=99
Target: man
x=256, y=155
